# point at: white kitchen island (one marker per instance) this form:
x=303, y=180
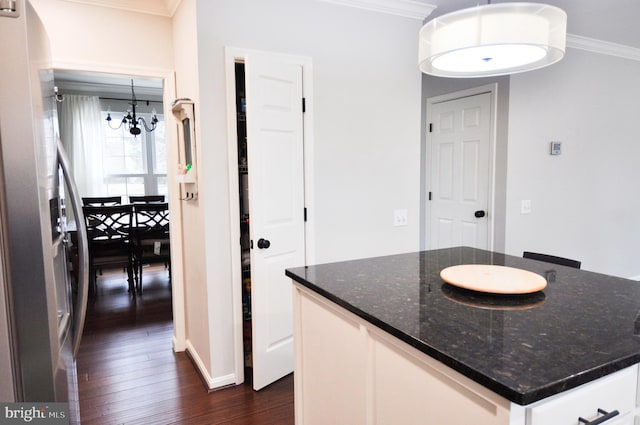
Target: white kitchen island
x=374, y=347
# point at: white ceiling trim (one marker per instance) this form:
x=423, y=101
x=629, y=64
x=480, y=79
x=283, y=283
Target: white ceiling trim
x=413, y=9
x=603, y=47
x=151, y=7
x=172, y=6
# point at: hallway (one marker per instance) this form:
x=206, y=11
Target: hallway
x=128, y=373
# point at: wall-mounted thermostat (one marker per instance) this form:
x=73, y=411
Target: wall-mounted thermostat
x=556, y=148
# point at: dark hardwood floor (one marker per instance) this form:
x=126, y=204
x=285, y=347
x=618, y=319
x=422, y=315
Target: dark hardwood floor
x=129, y=374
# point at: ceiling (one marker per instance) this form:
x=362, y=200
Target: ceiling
x=613, y=21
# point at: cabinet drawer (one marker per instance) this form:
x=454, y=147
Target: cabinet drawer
x=613, y=392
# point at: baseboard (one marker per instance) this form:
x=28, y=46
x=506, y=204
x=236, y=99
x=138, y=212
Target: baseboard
x=222, y=382
x=635, y=277
x=210, y=383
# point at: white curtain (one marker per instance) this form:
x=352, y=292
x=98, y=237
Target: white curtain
x=82, y=136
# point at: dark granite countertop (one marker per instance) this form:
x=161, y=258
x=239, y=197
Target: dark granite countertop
x=581, y=327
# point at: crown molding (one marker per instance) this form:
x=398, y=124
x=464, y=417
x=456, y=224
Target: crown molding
x=603, y=47
x=172, y=6
x=414, y=9
x=151, y=7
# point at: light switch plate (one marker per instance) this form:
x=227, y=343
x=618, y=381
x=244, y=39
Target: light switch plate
x=525, y=206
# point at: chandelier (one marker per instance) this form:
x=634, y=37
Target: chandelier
x=493, y=39
x=133, y=122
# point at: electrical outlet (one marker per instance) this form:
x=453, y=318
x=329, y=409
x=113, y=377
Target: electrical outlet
x=400, y=218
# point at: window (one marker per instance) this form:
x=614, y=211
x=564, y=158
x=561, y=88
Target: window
x=135, y=165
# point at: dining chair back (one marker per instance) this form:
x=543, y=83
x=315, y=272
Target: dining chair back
x=109, y=233
x=146, y=199
x=552, y=259
x=101, y=201
x=151, y=238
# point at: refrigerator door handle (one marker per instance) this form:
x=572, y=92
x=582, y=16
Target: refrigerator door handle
x=80, y=309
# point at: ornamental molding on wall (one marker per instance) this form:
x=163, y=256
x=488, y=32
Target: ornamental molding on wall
x=603, y=47
x=420, y=10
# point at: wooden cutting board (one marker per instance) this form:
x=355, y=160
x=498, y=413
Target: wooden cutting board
x=493, y=279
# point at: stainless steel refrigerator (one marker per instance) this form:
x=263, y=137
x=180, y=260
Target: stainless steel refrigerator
x=42, y=305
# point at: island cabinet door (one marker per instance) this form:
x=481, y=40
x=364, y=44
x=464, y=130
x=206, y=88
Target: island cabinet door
x=409, y=387
x=329, y=371
x=593, y=402
x=348, y=372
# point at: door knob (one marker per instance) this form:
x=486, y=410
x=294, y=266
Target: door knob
x=263, y=243
x=480, y=214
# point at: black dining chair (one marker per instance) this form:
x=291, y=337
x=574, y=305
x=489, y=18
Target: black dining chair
x=552, y=259
x=151, y=238
x=109, y=234
x=101, y=201
x=145, y=199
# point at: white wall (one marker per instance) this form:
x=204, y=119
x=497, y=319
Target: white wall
x=367, y=131
x=367, y=100
x=197, y=309
x=89, y=37
x=367, y=126
x=585, y=202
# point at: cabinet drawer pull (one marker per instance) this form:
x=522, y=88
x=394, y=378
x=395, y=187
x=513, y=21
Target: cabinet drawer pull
x=601, y=419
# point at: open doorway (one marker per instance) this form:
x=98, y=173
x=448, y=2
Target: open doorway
x=113, y=129
x=121, y=328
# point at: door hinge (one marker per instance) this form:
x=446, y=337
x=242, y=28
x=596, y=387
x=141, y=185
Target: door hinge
x=305, y=214
x=430, y=127
x=251, y=244
x=304, y=105
x=429, y=195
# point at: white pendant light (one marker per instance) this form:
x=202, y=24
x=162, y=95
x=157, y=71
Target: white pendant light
x=493, y=39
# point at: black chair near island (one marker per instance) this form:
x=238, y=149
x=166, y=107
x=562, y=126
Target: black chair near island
x=552, y=259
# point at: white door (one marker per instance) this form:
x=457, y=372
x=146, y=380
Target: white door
x=460, y=172
x=276, y=204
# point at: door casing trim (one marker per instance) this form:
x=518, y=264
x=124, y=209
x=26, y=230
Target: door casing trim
x=234, y=55
x=487, y=88
x=175, y=208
